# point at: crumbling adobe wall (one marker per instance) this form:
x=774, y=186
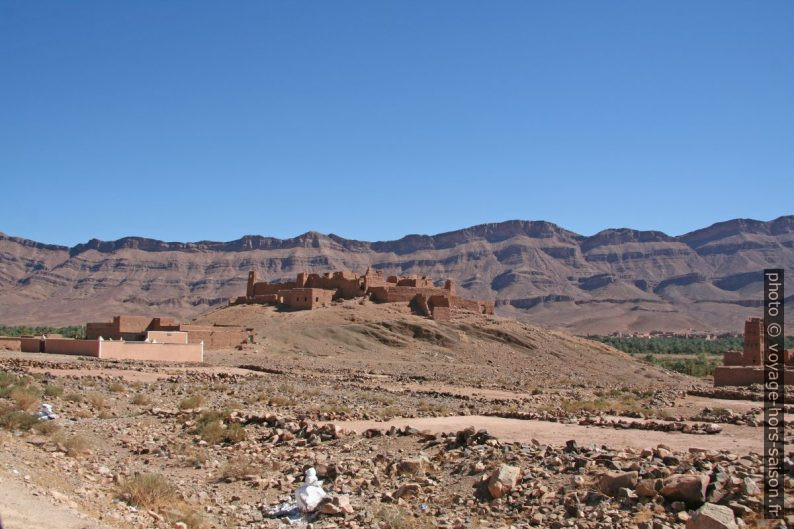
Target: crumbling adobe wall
x=745, y=376
x=396, y=294
x=216, y=337
x=347, y=285
x=733, y=358
x=417, y=282
x=440, y=313
x=753, y=342
x=306, y=298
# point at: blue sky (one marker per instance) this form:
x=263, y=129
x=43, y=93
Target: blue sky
x=191, y=120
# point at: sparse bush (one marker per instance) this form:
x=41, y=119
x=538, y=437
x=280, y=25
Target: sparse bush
x=74, y=397
x=12, y=419
x=192, y=402
x=235, y=433
x=96, y=400
x=47, y=427
x=149, y=491
x=235, y=469
x=51, y=390
x=211, y=427
x=24, y=398
x=282, y=401
x=73, y=445
x=156, y=493
x=140, y=399
x=399, y=518
x=116, y=387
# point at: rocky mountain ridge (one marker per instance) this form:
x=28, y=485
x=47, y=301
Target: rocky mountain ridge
x=615, y=280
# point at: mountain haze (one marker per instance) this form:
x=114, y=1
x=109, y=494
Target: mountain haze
x=615, y=280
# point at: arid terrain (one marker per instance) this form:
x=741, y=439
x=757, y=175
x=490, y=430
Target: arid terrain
x=615, y=280
x=481, y=421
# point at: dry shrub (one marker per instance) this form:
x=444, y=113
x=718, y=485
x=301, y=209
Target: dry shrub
x=399, y=518
x=236, y=468
x=51, y=390
x=96, y=400
x=73, y=445
x=149, y=491
x=74, y=397
x=25, y=398
x=116, y=387
x=211, y=427
x=47, y=427
x=140, y=400
x=192, y=402
x=12, y=419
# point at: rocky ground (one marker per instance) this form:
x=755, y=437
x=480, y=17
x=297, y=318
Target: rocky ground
x=147, y=445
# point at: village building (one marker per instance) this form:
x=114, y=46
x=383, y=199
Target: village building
x=311, y=291
x=137, y=338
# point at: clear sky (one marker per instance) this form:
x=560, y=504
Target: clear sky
x=191, y=120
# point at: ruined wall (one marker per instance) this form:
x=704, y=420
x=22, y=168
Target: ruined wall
x=753, y=341
x=216, y=337
x=395, y=294
x=745, y=376
x=440, y=313
x=167, y=352
x=306, y=298
x=733, y=358
x=416, y=282
x=347, y=285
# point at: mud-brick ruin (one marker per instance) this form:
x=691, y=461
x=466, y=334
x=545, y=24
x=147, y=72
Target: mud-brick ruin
x=746, y=367
x=311, y=291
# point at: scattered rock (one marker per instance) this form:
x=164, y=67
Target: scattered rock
x=711, y=516
x=503, y=480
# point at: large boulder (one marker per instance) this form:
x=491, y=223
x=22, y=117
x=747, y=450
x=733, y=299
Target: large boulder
x=689, y=488
x=610, y=482
x=414, y=465
x=503, y=480
x=711, y=516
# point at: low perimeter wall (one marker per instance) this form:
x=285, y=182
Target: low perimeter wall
x=13, y=344
x=167, y=352
x=745, y=376
x=67, y=346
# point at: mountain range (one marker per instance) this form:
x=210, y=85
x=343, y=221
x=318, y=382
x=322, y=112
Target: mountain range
x=618, y=280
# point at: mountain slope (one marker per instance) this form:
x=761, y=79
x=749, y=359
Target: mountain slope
x=615, y=280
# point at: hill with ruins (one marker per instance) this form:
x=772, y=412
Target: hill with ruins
x=615, y=280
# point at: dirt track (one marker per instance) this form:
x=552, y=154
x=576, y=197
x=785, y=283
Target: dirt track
x=21, y=509
x=739, y=439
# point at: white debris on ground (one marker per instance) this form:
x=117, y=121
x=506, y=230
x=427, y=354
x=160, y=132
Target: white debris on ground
x=311, y=493
x=307, y=498
x=45, y=413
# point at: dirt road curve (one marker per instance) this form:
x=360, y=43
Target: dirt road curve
x=20, y=509
x=740, y=439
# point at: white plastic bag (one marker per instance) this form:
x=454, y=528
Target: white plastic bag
x=310, y=494
x=45, y=413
